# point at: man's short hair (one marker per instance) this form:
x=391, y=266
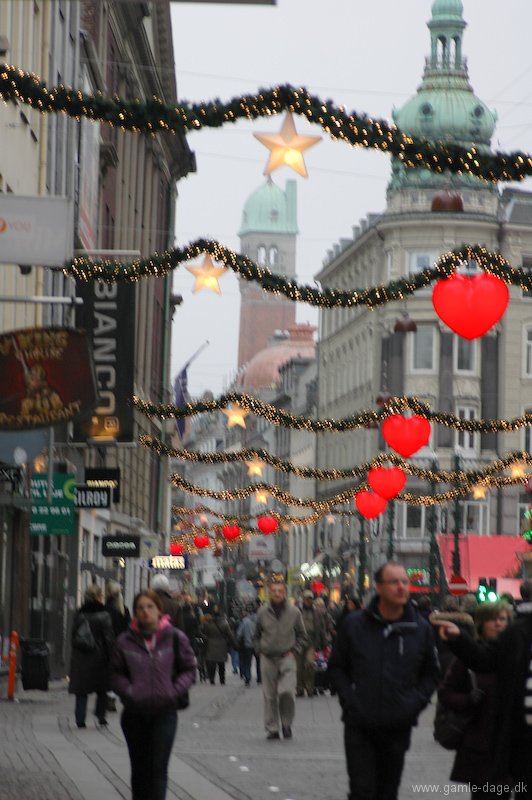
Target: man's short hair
x=380, y=572
x=160, y=583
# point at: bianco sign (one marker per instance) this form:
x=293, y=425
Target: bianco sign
x=36, y=230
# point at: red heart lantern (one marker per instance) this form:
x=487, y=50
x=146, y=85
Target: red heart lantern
x=406, y=435
x=267, y=524
x=176, y=549
x=370, y=505
x=231, y=532
x=470, y=306
x=201, y=541
x=386, y=481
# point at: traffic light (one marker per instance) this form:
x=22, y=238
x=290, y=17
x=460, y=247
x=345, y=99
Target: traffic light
x=487, y=590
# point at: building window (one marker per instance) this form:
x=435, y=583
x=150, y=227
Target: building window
x=273, y=256
x=421, y=260
x=423, y=355
x=261, y=255
x=465, y=352
x=475, y=517
x=528, y=353
x=466, y=440
x=523, y=507
x=527, y=434
x=413, y=521
x=526, y=262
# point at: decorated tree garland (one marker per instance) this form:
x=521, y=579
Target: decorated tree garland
x=362, y=419
x=153, y=116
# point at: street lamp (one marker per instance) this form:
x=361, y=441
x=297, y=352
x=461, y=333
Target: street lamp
x=432, y=538
x=361, y=556
x=391, y=524
x=456, y=513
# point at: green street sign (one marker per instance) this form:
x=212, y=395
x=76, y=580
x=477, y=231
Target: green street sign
x=55, y=518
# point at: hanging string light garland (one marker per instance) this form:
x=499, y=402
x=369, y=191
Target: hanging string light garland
x=153, y=116
x=438, y=476
x=340, y=498
x=362, y=419
x=242, y=519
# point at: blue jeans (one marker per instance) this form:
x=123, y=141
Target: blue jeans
x=235, y=660
x=149, y=741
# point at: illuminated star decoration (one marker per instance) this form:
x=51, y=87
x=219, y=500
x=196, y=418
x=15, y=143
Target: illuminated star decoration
x=261, y=497
x=518, y=470
x=207, y=276
x=479, y=492
x=286, y=147
x=255, y=467
x=330, y=519
x=236, y=415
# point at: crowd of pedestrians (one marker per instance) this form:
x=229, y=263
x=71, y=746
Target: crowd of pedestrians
x=385, y=660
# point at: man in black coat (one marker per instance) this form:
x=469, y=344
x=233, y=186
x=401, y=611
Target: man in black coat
x=384, y=667
x=510, y=658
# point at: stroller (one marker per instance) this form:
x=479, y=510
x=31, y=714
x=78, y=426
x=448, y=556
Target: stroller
x=321, y=679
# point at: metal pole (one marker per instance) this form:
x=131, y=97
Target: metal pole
x=361, y=556
x=391, y=524
x=432, y=540
x=456, y=551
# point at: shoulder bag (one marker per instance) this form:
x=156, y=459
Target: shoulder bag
x=83, y=637
x=449, y=724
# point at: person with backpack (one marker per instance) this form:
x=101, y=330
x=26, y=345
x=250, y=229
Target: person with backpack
x=152, y=668
x=92, y=643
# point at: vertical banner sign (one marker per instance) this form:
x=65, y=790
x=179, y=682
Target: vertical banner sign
x=108, y=317
x=55, y=518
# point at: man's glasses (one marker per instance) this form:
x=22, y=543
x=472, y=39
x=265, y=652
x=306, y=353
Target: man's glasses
x=397, y=582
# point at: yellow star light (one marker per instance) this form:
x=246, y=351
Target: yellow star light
x=255, y=467
x=236, y=415
x=286, y=147
x=479, y=492
x=207, y=276
x=518, y=470
x=261, y=497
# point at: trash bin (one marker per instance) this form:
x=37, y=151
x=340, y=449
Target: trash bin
x=35, y=664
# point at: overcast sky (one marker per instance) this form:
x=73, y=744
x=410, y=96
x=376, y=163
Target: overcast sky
x=367, y=56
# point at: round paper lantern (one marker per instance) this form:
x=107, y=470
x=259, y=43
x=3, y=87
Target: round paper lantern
x=201, y=541
x=231, y=532
x=386, y=481
x=176, y=549
x=406, y=435
x=267, y=524
x=447, y=202
x=369, y=504
x=470, y=306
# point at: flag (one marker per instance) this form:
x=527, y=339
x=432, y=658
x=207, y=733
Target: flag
x=181, y=397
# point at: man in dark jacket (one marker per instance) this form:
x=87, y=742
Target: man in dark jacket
x=384, y=667
x=510, y=657
x=314, y=623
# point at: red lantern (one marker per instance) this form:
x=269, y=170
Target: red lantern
x=406, y=435
x=176, y=549
x=267, y=524
x=386, y=481
x=470, y=306
x=369, y=504
x=231, y=532
x=201, y=541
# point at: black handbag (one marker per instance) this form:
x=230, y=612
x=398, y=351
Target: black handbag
x=449, y=724
x=183, y=701
x=83, y=638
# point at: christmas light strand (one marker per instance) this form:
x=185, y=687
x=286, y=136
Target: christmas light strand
x=158, y=265
x=154, y=116
x=242, y=456
x=184, y=513
x=338, y=499
x=362, y=419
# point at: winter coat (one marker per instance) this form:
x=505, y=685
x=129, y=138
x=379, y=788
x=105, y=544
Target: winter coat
x=245, y=632
x=277, y=635
x=314, y=622
x=508, y=657
x=191, y=624
x=171, y=607
x=89, y=672
x=120, y=622
x=464, y=621
x=219, y=638
x=148, y=682
x=473, y=757
x=384, y=672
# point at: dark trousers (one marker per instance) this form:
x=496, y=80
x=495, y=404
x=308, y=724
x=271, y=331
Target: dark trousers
x=257, y=667
x=211, y=670
x=80, y=711
x=246, y=655
x=149, y=741
x=375, y=761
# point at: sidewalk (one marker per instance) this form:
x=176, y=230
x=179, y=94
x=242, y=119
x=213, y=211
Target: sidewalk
x=220, y=751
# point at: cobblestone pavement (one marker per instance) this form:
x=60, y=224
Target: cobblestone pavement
x=220, y=751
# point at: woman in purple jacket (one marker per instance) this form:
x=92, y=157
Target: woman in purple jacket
x=151, y=667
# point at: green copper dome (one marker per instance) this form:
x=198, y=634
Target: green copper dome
x=270, y=210
x=445, y=107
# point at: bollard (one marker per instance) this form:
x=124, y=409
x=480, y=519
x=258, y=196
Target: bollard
x=13, y=644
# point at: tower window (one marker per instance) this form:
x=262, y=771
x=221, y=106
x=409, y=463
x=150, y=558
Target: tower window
x=273, y=256
x=261, y=255
x=427, y=109
x=274, y=215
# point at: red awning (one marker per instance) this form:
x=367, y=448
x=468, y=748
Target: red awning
x=486, y=557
